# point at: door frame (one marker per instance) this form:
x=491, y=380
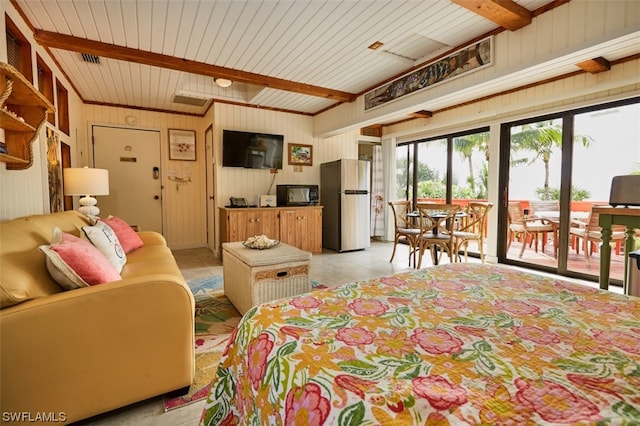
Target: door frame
x=161, y=133
x=210, y=189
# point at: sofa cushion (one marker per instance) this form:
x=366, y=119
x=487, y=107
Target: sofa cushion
x=103, y=237
x=129, y=239
x=74, y=262
x=23, y=274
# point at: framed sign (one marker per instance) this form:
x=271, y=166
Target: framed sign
x=182, y=144
x=300, y=155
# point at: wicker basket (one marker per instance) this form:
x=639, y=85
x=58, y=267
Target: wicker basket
x=252, y=277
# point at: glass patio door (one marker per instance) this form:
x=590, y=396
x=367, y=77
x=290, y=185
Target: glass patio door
x=614, y=149
x=532, y=208
x=554, y=169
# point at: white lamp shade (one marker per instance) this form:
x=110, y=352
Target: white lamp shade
x=86, y=181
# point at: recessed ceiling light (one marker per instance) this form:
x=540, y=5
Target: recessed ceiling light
x=376, y=45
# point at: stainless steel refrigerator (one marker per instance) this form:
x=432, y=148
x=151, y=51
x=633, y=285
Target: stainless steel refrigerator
x=345, y=197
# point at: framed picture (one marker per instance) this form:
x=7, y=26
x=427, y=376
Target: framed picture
x=182, y=144
x=300, y=155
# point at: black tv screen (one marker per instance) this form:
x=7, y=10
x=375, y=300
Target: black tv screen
x=251, y=150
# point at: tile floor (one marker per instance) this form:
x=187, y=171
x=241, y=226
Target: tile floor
x=329, y=268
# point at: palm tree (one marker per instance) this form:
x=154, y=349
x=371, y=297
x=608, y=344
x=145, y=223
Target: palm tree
x=466, y=145
x=542, y=139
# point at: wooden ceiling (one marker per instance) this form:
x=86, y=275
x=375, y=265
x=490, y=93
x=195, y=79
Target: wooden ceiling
x=303, y=56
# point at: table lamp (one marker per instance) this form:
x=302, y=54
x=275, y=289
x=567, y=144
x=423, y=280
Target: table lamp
x=86, y=182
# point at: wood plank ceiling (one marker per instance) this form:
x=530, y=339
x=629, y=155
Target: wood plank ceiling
x=302, y=56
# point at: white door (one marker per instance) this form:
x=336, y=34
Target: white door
x=132, y=157
x=211, y=204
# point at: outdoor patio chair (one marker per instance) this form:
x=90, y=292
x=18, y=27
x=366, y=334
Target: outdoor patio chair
x=473, y=228
x=590, y=234
x=530, y=227
x=404, y=230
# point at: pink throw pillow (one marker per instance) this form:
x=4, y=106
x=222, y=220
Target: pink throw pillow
x=74, y=262
x=129, y=239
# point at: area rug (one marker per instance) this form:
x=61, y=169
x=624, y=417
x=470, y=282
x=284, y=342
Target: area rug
x=214, y=322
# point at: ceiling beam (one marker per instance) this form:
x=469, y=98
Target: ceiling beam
x=506, y=13
x=422, y=114
x=76, y=44
x=595, y=65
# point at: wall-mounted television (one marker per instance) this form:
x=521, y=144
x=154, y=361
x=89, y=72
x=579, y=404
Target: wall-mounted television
x=251, y=150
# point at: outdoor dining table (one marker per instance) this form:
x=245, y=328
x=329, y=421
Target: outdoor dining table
x=554, y=215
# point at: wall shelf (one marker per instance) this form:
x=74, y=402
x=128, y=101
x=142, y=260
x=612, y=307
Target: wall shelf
x=23, y=110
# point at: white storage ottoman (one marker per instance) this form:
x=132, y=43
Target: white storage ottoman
x=252, y=276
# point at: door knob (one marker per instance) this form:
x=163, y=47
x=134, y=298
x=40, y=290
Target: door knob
x=156, y=197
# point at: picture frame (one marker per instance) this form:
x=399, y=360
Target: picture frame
x=182, y=144
x=300, y=155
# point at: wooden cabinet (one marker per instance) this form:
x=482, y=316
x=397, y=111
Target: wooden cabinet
x=23, y=110
x=243, y=223
x=300, y=227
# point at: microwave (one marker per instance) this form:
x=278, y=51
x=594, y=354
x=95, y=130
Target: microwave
x=297, y=195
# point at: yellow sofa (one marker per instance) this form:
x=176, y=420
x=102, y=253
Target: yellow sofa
x=70, y=355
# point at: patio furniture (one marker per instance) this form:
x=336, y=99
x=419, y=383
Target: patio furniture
x=436, y=229
x=590, y=232
x=629, y=218
x=404, y=228
x=536, y=206
x=473, y=228
x=530, y=227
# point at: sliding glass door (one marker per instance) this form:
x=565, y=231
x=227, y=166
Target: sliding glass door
x=554, y=169
x=451, y=168
x=614, y=149
x=533, y=204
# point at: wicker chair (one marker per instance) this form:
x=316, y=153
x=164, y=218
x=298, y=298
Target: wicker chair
x=436, y=225
x=404, y=229
x=473, y=228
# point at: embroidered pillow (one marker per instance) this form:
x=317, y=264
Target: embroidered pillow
x=74, y=262
x=129, y=239
x=104, y=239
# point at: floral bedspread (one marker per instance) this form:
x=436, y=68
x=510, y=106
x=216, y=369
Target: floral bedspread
x=453, y=344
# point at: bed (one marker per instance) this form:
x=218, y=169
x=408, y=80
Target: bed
x=452, y=344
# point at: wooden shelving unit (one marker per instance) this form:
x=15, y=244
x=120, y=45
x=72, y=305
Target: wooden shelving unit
x=23, y=110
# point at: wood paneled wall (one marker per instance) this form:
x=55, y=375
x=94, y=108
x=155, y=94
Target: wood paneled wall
x=248, y=183
x=184, y=204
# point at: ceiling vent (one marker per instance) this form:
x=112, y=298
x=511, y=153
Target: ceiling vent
x=93, y=59
x=188, y=100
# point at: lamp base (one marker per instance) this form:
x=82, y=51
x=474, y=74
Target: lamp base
x=88, y=206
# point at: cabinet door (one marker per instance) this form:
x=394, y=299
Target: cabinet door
x=302, y=229
x=288, y=227
x=240, y=225
x=269, y=223
x=253, y=224
x=314, y=226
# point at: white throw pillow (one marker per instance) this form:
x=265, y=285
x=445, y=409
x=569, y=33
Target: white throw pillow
x=104, y=239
